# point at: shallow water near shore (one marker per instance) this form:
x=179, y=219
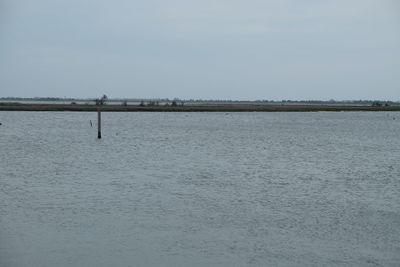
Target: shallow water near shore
x=200, y=189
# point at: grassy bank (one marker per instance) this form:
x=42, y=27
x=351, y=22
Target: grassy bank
x=192, y=108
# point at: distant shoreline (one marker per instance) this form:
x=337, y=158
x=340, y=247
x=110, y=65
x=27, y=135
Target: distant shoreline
x=192, y=108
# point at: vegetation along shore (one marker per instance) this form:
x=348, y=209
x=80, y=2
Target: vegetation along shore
x=14, y=106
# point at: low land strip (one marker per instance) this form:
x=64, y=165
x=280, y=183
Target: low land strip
x=192, y=108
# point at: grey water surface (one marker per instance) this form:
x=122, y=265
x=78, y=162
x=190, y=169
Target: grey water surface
x=200, y=189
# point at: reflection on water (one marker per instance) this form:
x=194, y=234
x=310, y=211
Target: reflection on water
x=200, y=189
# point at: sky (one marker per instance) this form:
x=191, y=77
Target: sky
x=208, y=49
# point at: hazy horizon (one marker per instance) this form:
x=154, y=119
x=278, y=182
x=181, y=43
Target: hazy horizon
x=196, y=99
x=239, y=50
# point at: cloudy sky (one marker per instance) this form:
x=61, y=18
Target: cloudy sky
x=209, y=49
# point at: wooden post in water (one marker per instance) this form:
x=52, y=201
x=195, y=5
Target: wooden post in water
x=98, y=123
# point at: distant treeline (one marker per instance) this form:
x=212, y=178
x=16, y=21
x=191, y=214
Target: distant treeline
x=210, y=101
x=37, y=98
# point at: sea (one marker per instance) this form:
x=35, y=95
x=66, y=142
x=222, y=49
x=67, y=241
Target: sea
x=199, y=189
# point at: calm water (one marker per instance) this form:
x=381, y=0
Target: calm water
x=200, y=189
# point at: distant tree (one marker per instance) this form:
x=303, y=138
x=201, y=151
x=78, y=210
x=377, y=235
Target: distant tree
x=376, y=104
x=174, y=103
x=141, y=103
x=125, y=103
x=101, y=101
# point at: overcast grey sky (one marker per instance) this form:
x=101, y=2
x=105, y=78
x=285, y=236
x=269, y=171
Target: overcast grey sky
x=209, y=49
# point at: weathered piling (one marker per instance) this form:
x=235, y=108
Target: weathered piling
x=98, y=123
